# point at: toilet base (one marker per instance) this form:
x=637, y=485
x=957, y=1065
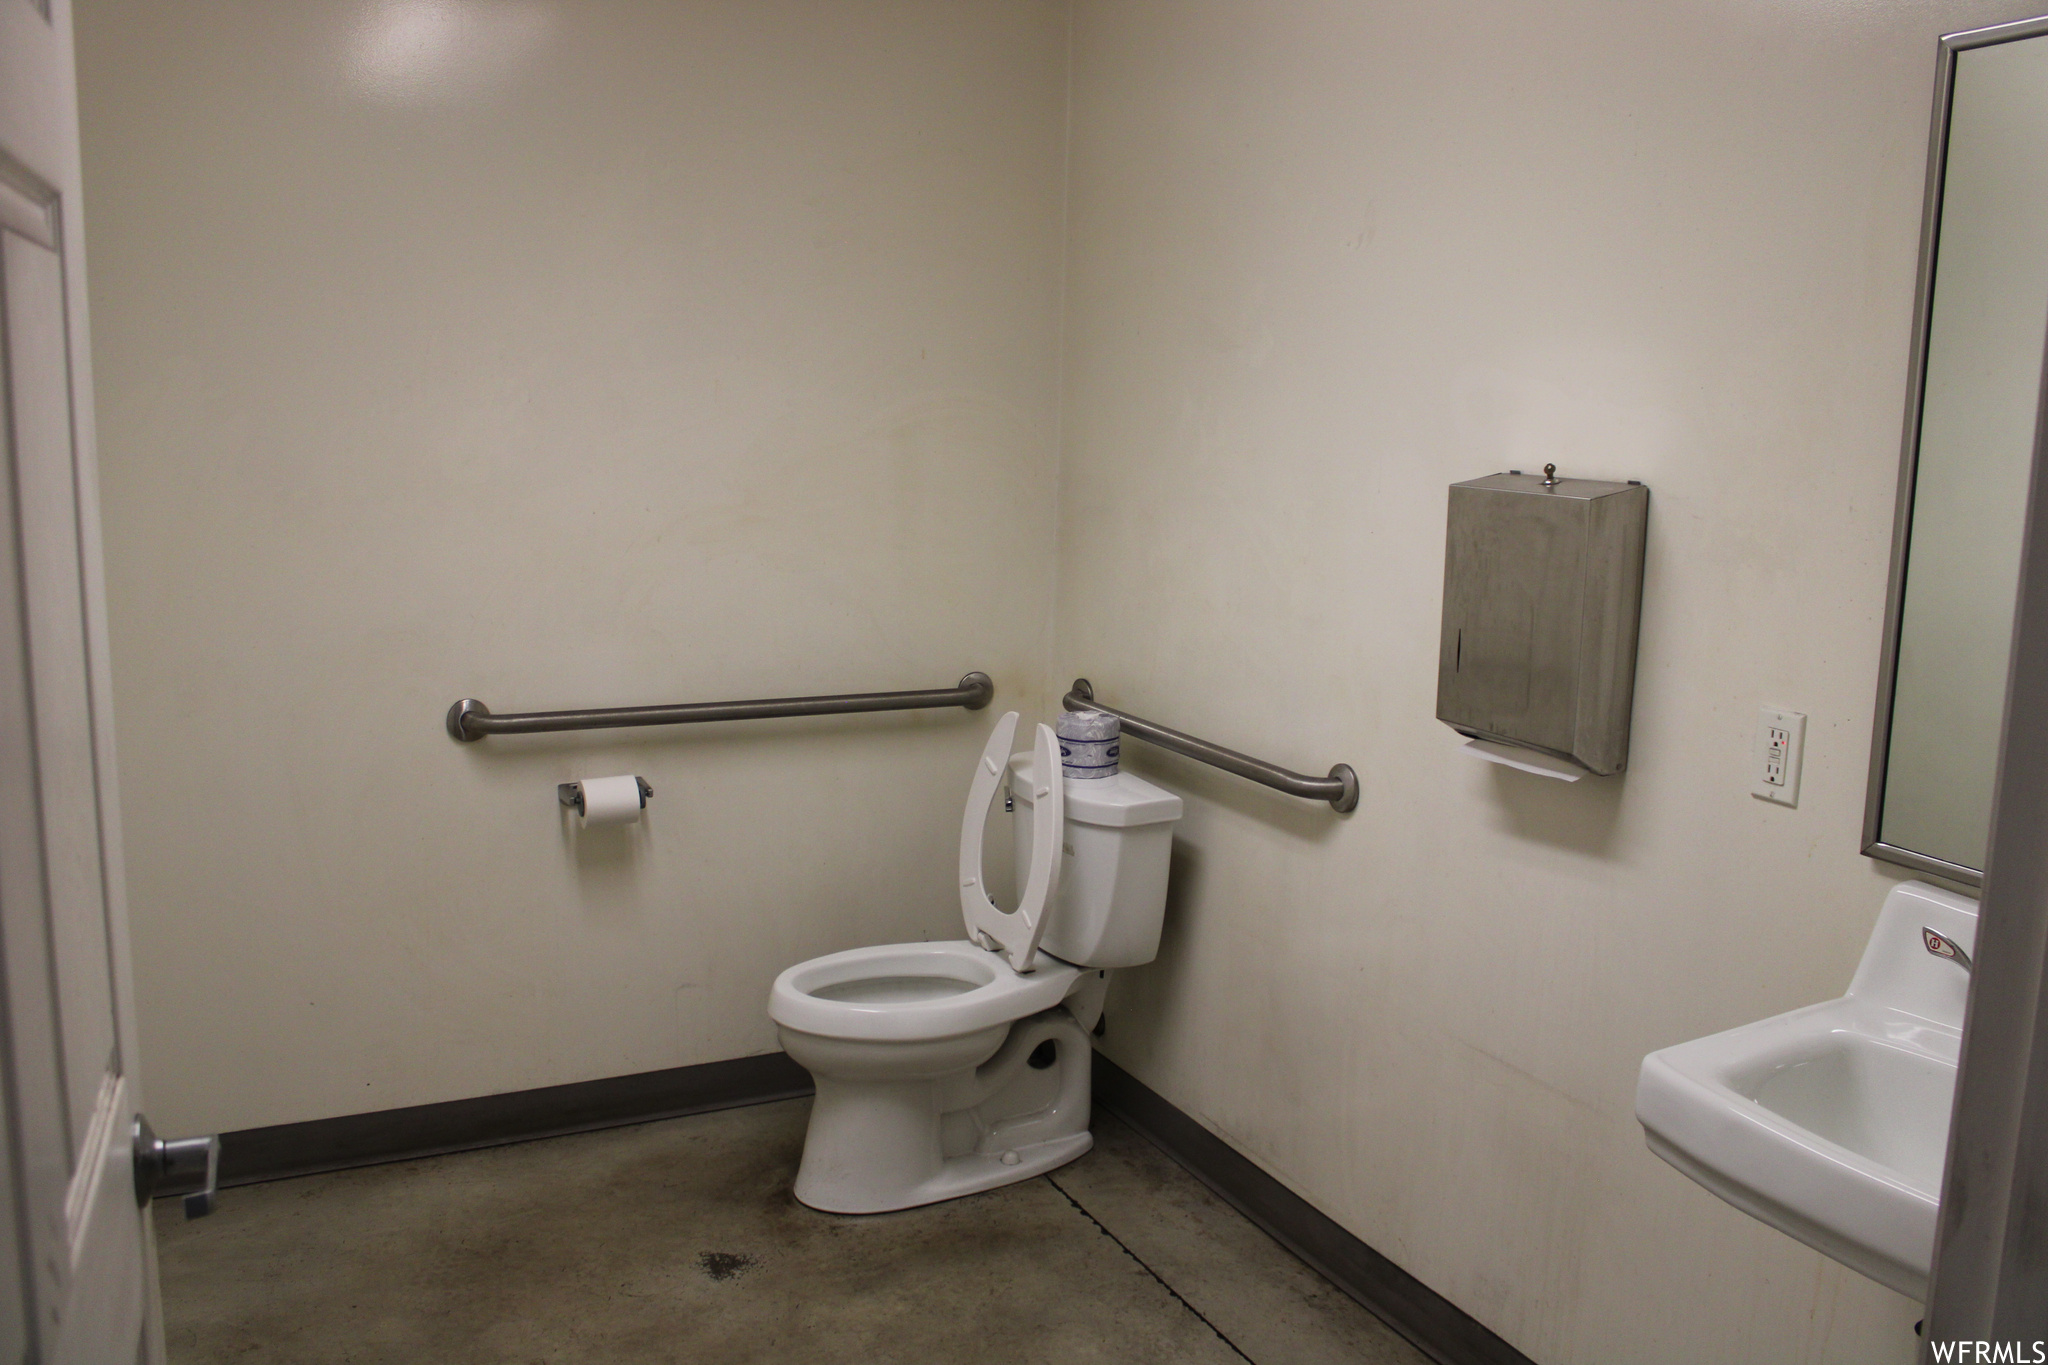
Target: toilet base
x=957, y=1176
x=876, y=1144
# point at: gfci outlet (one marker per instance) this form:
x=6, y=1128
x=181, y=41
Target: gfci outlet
x=1780, y=747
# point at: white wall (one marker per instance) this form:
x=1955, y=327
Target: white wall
x=560, y=355
x=1327, y=259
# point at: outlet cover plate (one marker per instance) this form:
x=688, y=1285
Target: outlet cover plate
x=1779, y=754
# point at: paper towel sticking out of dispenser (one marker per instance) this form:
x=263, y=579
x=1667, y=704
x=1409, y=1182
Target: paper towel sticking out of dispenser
x=1543, y=588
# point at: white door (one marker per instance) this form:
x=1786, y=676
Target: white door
x=76, y=1272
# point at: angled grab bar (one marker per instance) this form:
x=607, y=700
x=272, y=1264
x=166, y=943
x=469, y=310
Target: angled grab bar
x=1340, y=788
x=470, y=720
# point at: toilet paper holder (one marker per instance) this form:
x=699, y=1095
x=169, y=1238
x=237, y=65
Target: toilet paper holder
x=571, y=794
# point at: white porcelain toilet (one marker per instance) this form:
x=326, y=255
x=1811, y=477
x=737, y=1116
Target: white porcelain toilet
x=946, y=1068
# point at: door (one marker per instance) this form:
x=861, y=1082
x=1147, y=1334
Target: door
x=76, y=1275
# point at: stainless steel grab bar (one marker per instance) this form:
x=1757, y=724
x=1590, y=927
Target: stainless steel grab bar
x=1340, y=788
x=469, y=719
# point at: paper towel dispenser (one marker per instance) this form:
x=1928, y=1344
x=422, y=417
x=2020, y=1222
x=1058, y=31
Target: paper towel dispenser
x=1543, y=586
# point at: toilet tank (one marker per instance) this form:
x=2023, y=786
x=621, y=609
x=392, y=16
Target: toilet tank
x=1112, y=892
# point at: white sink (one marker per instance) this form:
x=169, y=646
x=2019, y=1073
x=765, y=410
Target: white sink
x=1831, y=1123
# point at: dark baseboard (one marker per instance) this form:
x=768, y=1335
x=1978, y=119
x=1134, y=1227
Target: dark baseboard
x=1439, y=1328
x=289, y=1149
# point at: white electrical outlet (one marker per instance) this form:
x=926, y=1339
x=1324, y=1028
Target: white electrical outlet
x=1780, y=746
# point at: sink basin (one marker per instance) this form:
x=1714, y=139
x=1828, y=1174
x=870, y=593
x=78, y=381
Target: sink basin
x=1831, y=1123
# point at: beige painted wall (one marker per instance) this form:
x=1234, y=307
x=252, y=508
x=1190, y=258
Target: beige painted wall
x=561, y=355
x=1325, y=260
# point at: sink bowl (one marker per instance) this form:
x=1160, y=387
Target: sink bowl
x=1830, y=1123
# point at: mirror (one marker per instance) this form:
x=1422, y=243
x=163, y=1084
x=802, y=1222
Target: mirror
x=1979, y=326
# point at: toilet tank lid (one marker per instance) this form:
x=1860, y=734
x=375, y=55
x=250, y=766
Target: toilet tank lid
x=1122, y=800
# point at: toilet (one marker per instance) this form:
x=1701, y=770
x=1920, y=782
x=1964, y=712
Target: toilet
x=950, y=1067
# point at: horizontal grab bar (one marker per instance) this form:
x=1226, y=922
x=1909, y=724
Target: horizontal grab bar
x=1340, y=788
x=469, y=719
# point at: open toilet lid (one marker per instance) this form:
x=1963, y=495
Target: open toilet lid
x=1013, y=933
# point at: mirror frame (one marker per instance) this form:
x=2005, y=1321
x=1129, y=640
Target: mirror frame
x=1909, y=459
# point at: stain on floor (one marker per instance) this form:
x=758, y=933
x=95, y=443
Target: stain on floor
x=725, y=1265
x=680, y=1242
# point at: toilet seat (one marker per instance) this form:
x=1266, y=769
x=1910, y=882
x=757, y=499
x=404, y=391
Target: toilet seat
x=1013, y=933
x=907, y=992
x=911, y=992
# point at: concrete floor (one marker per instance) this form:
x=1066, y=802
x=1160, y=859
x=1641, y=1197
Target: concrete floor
x=679, y=1242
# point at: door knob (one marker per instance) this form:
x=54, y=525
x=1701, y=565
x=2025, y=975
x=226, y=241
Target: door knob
x=187, y=1166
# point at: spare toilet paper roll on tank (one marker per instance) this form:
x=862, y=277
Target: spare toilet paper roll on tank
x=1089, y=743
x=611, y=800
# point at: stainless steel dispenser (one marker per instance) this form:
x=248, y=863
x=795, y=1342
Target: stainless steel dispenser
x=1543, y=585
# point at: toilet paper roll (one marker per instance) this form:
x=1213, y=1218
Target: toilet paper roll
x=1088, y=725
x=611, y=800
x=1089, y=743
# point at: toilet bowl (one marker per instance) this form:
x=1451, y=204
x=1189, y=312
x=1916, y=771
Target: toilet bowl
x=925, y=1088
x=950, y=1067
